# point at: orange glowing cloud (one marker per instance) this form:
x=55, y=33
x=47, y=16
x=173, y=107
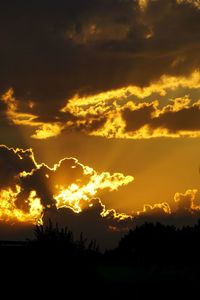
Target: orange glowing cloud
x=115, y=113
x=82, y=106
x=44, y=131
x=30, y=188
x=155, y=209
x=72, y=196
x=187, y=201
x=179, y=118
x=9, y=211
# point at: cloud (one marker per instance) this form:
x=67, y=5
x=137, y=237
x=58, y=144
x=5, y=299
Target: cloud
x=183, y=210
x=127, y=119
x=187, y=201
x=15, y=116
x=12, y=163
x=106, y=230
x=177, y=119
x=108, y=226
x=123, y=113
x=55, y=50
x=165, y=83
x=48, y=130
x=155, y=209
x=9, y=211
x=27, y=188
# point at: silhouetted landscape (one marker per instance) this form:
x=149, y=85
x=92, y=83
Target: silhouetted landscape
x=151, y=258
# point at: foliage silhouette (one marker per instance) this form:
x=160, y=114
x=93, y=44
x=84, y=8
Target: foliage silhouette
x=160, y=244
x=55, y=237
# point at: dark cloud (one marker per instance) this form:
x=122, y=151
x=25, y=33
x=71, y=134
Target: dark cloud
x=137, y=118
x=185, y=119
x=50, y=50
x=108, y=230
x=174, y=119
x=105, y=230
x=12, y=163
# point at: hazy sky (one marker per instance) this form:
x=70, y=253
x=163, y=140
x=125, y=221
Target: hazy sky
x=114, y=84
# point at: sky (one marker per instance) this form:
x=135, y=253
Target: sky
x=99, y=114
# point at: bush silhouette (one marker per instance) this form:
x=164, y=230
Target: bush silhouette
x=54, y=237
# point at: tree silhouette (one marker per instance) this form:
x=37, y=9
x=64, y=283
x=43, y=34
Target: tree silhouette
x=160, y=244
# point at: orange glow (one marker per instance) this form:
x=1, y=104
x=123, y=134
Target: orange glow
x=113, y=214
x=115, y=126
x=158, y=206
x=14, y=115
x=79, y=106
x=187, y=201
x=44, y=131
x=109, y=106
x=48, y=130
x=10, y=213
x=17, y=206
x=72, y=196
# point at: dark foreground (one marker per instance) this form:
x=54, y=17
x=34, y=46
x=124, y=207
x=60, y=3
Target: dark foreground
x=152, y=261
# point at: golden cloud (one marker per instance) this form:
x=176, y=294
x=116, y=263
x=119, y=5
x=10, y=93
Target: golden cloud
x=11, y=213
x=115, y=113
x=146, y=120
x=30, y=188
x=48, y=130
x=44, y=131
x=155, y=208
x=187, y=201
x=82, y=106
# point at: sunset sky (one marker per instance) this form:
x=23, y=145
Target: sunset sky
x=105, y=94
